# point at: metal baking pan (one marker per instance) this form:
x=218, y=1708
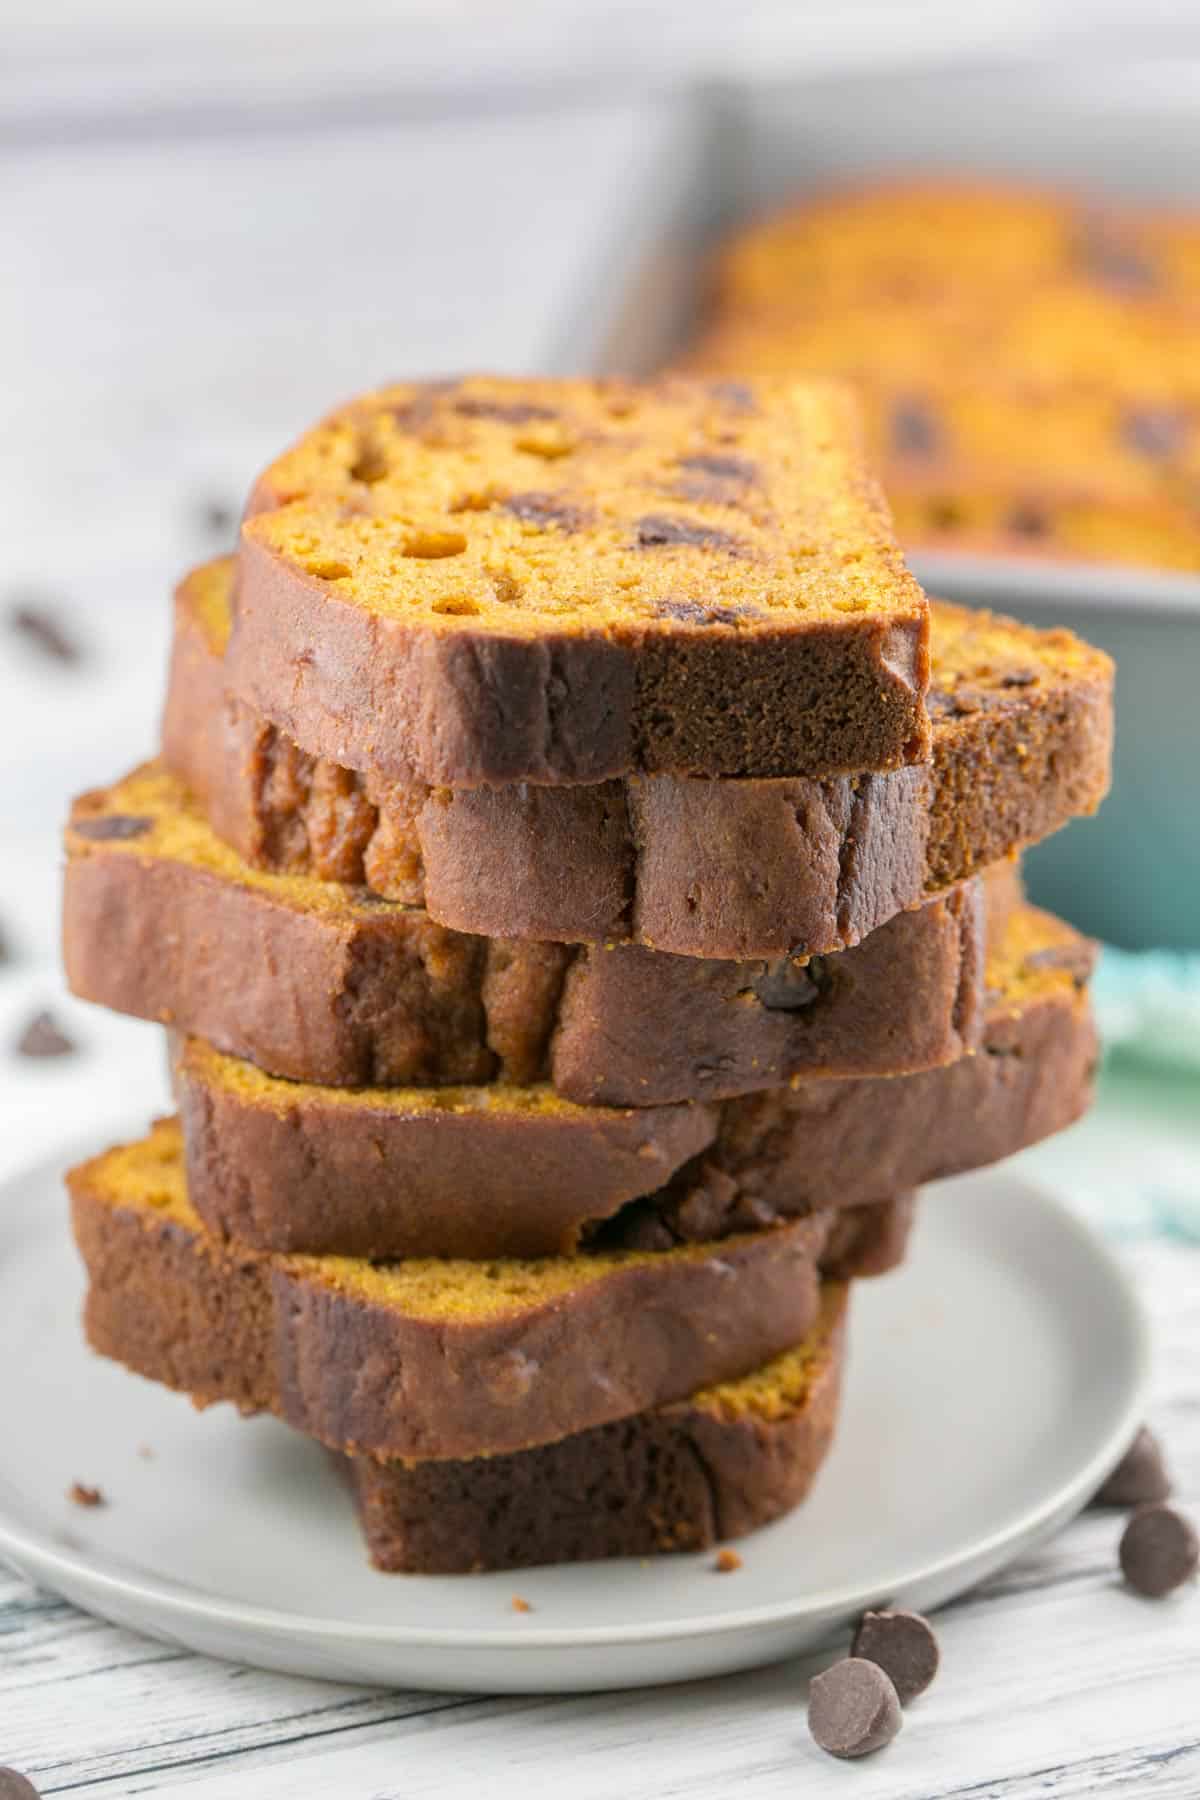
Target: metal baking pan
x=1132, y=875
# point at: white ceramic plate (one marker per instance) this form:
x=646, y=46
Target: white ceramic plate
x=992, y=1383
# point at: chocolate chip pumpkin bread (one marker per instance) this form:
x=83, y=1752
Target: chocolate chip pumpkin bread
x=488, y=581
x=317, y=982
x=437, y=1171
x=1022, y=731
x=1026, y=360
x=925, y=240
x=684, y=1477
x=1022, y=738
x=496, y=1171
x=778, y=1153
x=426, y=1358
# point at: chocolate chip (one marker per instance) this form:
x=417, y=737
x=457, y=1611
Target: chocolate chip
x=42, y=1037
x=1019, y=678
x=714, y=479
x=37, y=621
x=14, y=1786
x=706, y=490
x=505, y=412
x=944, y=515
x=691, y=612
x=546, y=510
x=904, y=1646
x=1111, y=258
x=1159, y=1550
x=414, y=418
x=416, y=415
x=657, y=531
x=82, y=1495
x=735, y=396
x=1154, y=431
x=915, y=430
x=1140, y=1475
x=724, y=468
x=853, y=1709
x=1028, y=521
x=789, y=986
x=217, y=517
x=112, y=825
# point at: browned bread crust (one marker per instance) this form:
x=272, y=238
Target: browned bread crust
x=517, y=1171
x=802, y=1146
x=1022, y=728
x=424, y=1358
x=567, y=581
x=684, y=1477
x=316, y=982
x=391, y=1172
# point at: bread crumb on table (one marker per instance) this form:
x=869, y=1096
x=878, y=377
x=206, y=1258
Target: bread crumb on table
x=520, y=1605
x=727, y=1561
x=83, y=1495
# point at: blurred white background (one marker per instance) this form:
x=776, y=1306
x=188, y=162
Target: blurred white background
x=361, y=46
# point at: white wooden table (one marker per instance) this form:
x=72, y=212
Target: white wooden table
x=157, y=368
x=1055, y=1682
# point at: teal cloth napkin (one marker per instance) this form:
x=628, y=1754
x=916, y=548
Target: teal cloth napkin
x=1148, y=1005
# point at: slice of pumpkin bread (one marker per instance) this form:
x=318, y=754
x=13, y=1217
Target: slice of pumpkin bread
x=683, y=1477
x=494, y=580
x=480, y=1171
x=1022, y=733
x=428, y=1358
x=319, y=982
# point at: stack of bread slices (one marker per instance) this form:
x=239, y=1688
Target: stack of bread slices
x=580, y=884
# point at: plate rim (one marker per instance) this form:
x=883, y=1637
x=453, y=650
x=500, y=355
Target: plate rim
x=32, y=1553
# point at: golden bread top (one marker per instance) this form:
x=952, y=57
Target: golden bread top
x=148, y=1178
x=254, y=1087
x=597, y=506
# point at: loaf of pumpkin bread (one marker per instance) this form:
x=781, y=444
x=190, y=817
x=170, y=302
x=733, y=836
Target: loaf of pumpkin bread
x=318, y=982
x=492, y=580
